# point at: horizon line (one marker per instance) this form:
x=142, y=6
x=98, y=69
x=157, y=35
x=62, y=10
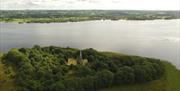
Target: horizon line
x=95, y=9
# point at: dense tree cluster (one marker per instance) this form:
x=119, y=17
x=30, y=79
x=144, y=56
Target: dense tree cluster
x=45, y=69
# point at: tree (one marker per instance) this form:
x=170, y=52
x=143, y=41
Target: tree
x=128, y=76
x=58, y=86
x=16, y=57
x=105, y=78
x=83, y=71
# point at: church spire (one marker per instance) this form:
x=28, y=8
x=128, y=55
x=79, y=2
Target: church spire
x=80, y=55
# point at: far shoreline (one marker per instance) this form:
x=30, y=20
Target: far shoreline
x=16, y=22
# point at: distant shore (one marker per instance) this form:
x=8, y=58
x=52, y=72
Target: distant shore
x=52, y=16
x=64, y=20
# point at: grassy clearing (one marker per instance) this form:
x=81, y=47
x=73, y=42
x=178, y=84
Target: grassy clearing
x=173, y=77
x=6, y=83
x=170, y=82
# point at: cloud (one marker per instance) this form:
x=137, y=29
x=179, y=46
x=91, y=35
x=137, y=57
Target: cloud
x=91, y=4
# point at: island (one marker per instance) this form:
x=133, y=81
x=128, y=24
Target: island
x=70, y=69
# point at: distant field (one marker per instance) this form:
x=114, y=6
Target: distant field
x=170, y=82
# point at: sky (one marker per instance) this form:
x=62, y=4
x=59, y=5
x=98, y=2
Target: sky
x=90, y=4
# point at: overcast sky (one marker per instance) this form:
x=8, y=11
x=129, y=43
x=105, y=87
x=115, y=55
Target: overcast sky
x=91, y=4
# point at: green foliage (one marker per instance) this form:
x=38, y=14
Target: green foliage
x=169, y=82
x=125, y=75
x=45, y=69
x=104, y=78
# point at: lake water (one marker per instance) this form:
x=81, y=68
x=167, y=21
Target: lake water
x=154, y=38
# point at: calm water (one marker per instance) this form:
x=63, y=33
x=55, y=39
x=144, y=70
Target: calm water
x=157, y=38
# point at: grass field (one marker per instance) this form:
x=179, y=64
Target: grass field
x=170, y=82
x=173, y=78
